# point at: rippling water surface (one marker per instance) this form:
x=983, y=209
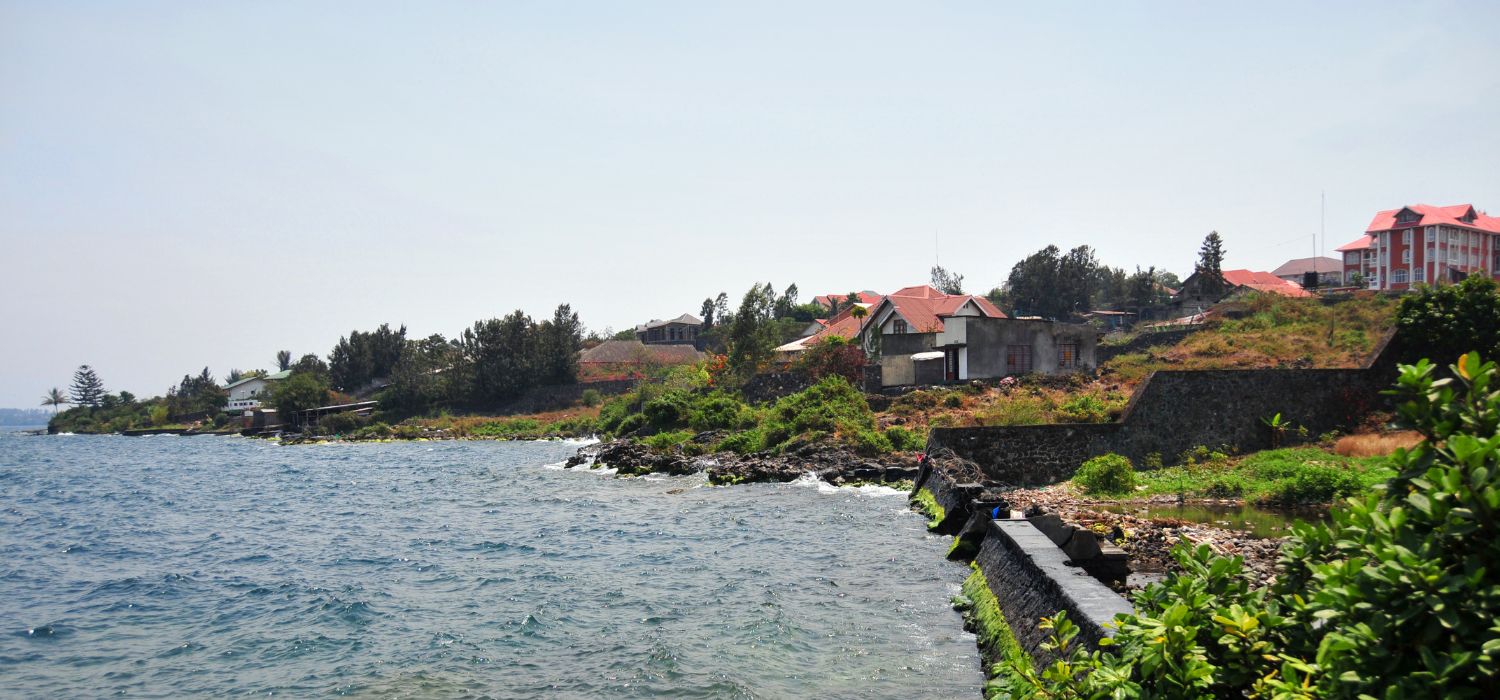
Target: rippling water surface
x=171, y=566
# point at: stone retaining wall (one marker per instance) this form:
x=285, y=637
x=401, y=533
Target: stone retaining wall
x=1175, y=411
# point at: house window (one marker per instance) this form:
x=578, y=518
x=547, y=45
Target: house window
x=1067, y=356
x=1017, y=359
x=1351, y=258
x=1431, y=234
x=1453, y=255
x=1406, y=236
x=898, y=326
x=1398, y=277
x=1406, y=255
x=1420, y=275
x=1407, y=216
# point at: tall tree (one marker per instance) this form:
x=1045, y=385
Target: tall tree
x=233, y=376
x=500, y=354
x=947, y=281
x=721, y=310
x=428, y=374
x=1210, y=264
x=196, y=394
x=54, y=398
x=561, y=338
x=786, y=304
x=707, y=313
x=1078, y=278
x=361, y=358
x=1033, y=286
x=752, y=336
x=87, y=389
x=283, y=360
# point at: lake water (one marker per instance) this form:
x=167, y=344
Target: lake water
x=171, y=566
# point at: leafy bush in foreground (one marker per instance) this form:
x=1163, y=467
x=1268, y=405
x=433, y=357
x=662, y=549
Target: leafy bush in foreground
x=1396, y=598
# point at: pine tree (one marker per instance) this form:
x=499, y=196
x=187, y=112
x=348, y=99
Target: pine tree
x=1211, y=263
x=87, y=390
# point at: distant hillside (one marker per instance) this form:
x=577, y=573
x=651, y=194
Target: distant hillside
x=24, y=416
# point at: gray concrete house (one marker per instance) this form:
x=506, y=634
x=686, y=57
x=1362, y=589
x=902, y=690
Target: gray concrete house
x=934, y=339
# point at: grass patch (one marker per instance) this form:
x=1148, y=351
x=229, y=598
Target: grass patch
x=927, y=504
x=982, y=616
x=1291, y=476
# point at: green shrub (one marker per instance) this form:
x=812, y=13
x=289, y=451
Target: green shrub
x=340, y=424
x=903, y=440
x=1084, y=408
x=1106, y=474
x=1313, y=484
x=720, y=411
x=667, y=441
x=630, y=424
x=871, y=443
x=373, y=431
x=591, y=397
x=743, y=443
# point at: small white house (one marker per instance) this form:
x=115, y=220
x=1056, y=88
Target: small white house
x=248, y=392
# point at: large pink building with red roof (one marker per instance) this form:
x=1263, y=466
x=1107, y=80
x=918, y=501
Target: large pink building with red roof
x=1422, y=243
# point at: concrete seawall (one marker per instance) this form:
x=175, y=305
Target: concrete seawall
x=1032, y=578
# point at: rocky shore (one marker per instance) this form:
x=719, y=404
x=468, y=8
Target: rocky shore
x=830, y=463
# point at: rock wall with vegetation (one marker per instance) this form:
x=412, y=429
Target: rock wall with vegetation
x=1106, y=352
x=1175, y=411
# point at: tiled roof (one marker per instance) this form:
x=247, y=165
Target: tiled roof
x=842, y=324
x=632, y=351
x=828, y=300
x=1301, y=265
x=1362, y=243
x=923, y=307
x=1430, y=215
x=1264, y=282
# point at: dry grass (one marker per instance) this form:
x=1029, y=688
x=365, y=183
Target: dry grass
x=1375, y=444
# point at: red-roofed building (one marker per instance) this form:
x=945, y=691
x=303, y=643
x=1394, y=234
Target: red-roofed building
x=1422, y=243
x=928, y=337
x=1263, y=282
x=836, y=301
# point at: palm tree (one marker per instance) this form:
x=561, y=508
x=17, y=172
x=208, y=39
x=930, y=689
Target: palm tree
x=54, y=399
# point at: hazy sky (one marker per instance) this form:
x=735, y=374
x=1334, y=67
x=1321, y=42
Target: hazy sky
x=197, y=183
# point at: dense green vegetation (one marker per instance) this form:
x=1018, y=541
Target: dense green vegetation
x=1449, y=320
x=1396, y=598
x=672, y=412
x=1054, y=284
x=1288, y=476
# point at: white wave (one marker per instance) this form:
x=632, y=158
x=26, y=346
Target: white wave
x=811, y=479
